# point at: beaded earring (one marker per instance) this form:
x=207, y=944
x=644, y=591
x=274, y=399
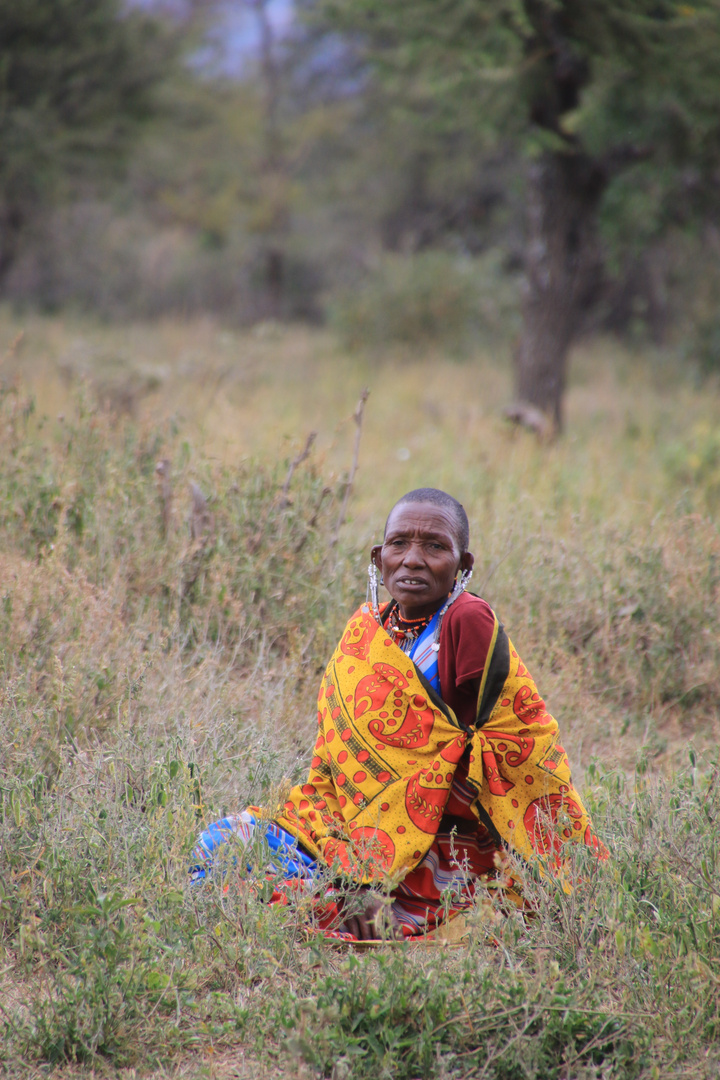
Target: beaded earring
x=371, y=596
x=459, y=588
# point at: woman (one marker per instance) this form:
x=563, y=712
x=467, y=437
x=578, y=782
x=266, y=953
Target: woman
x=435, y=755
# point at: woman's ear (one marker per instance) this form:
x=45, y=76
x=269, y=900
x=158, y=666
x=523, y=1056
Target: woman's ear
x=376, y=556
x=467, y=560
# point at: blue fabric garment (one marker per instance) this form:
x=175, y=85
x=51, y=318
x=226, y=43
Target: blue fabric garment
x=425, y=657
x=288, y=860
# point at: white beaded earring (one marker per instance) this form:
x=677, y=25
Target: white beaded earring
x=459, y=588
x=372, y=590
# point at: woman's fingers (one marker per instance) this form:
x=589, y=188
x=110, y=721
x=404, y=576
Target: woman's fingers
x=356, y=926
x=375, y=922
x=359, y=927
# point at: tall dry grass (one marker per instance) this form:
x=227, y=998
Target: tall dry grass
x=160, y=651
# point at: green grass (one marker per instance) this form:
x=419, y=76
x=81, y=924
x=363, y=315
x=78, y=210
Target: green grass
x=153, y=680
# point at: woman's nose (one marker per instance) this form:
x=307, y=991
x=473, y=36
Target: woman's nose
x=414, y=555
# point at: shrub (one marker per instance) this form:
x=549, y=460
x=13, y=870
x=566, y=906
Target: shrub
x=426, y=299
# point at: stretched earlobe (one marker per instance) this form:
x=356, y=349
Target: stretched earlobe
x=376, y=559
x=372, y=589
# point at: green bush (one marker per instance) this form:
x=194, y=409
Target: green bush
x=427, y=299
x=395, y=1019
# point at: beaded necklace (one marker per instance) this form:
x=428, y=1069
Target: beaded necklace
x=412, y=627
x=408, y=629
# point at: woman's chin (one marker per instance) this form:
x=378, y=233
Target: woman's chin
x=417, y=603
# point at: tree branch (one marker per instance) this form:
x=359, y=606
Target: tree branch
x=622, y=157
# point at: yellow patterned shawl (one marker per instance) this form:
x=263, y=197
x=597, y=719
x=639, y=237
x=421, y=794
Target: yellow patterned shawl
x=388, y=748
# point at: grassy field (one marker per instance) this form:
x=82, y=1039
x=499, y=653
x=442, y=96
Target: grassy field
x=160, y=667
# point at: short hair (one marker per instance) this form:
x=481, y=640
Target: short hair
x=447, y=502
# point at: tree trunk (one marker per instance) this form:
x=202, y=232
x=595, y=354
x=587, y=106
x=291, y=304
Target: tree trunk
x=561, y=260
x=275, y=281
x=11, y=223
x=655, y=265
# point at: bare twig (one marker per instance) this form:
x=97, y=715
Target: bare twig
x=622, y=156
x=358, y=418
x=201, y=517
x=193, y=564
x=318, y=506
x=313, y=520
x=164, y=486
x=302, y=456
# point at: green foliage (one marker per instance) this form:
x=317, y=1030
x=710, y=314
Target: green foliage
x=98, y=988
x=78, y=78
x=394, y=1018
x=430, y=299
x=99, y=960
x=696, y=462
x=630, y=88
x=115, y=955
x=142, y=582
x=640, y=70
x=250, y=197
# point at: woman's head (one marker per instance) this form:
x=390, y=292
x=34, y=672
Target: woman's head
x=448, y=503
x=425, y=546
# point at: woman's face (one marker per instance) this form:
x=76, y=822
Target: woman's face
x=420, y=557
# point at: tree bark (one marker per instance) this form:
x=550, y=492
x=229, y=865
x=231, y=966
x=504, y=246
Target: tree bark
x=11, y=223
x=561, y=262
x=274, y=165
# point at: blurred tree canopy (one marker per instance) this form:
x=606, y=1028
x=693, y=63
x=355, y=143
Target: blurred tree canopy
x=590, y=90
x=77, y=80
x=337, y=160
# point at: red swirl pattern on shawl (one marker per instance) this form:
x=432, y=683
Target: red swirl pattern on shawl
x=385, y=762
x=398, y=722
x=529, y=707
x=522, y=775
x=545, y=826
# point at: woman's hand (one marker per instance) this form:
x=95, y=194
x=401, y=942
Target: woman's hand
x=375, y=920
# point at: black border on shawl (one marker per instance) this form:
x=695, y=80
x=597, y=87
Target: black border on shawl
x=494, y=684
x=496, y=678
x=487, y=821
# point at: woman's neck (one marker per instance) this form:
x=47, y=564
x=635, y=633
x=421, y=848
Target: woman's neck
x=423, y=616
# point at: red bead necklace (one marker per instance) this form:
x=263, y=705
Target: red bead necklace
x=407, y=628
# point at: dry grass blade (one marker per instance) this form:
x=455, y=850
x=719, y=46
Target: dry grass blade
x=153, y=681
x=348, y=485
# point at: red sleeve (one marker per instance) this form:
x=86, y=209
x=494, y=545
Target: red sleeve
x=466, y=634
x=465, y=638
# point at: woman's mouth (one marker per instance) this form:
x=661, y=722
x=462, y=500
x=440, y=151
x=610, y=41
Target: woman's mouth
x=412, y=583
